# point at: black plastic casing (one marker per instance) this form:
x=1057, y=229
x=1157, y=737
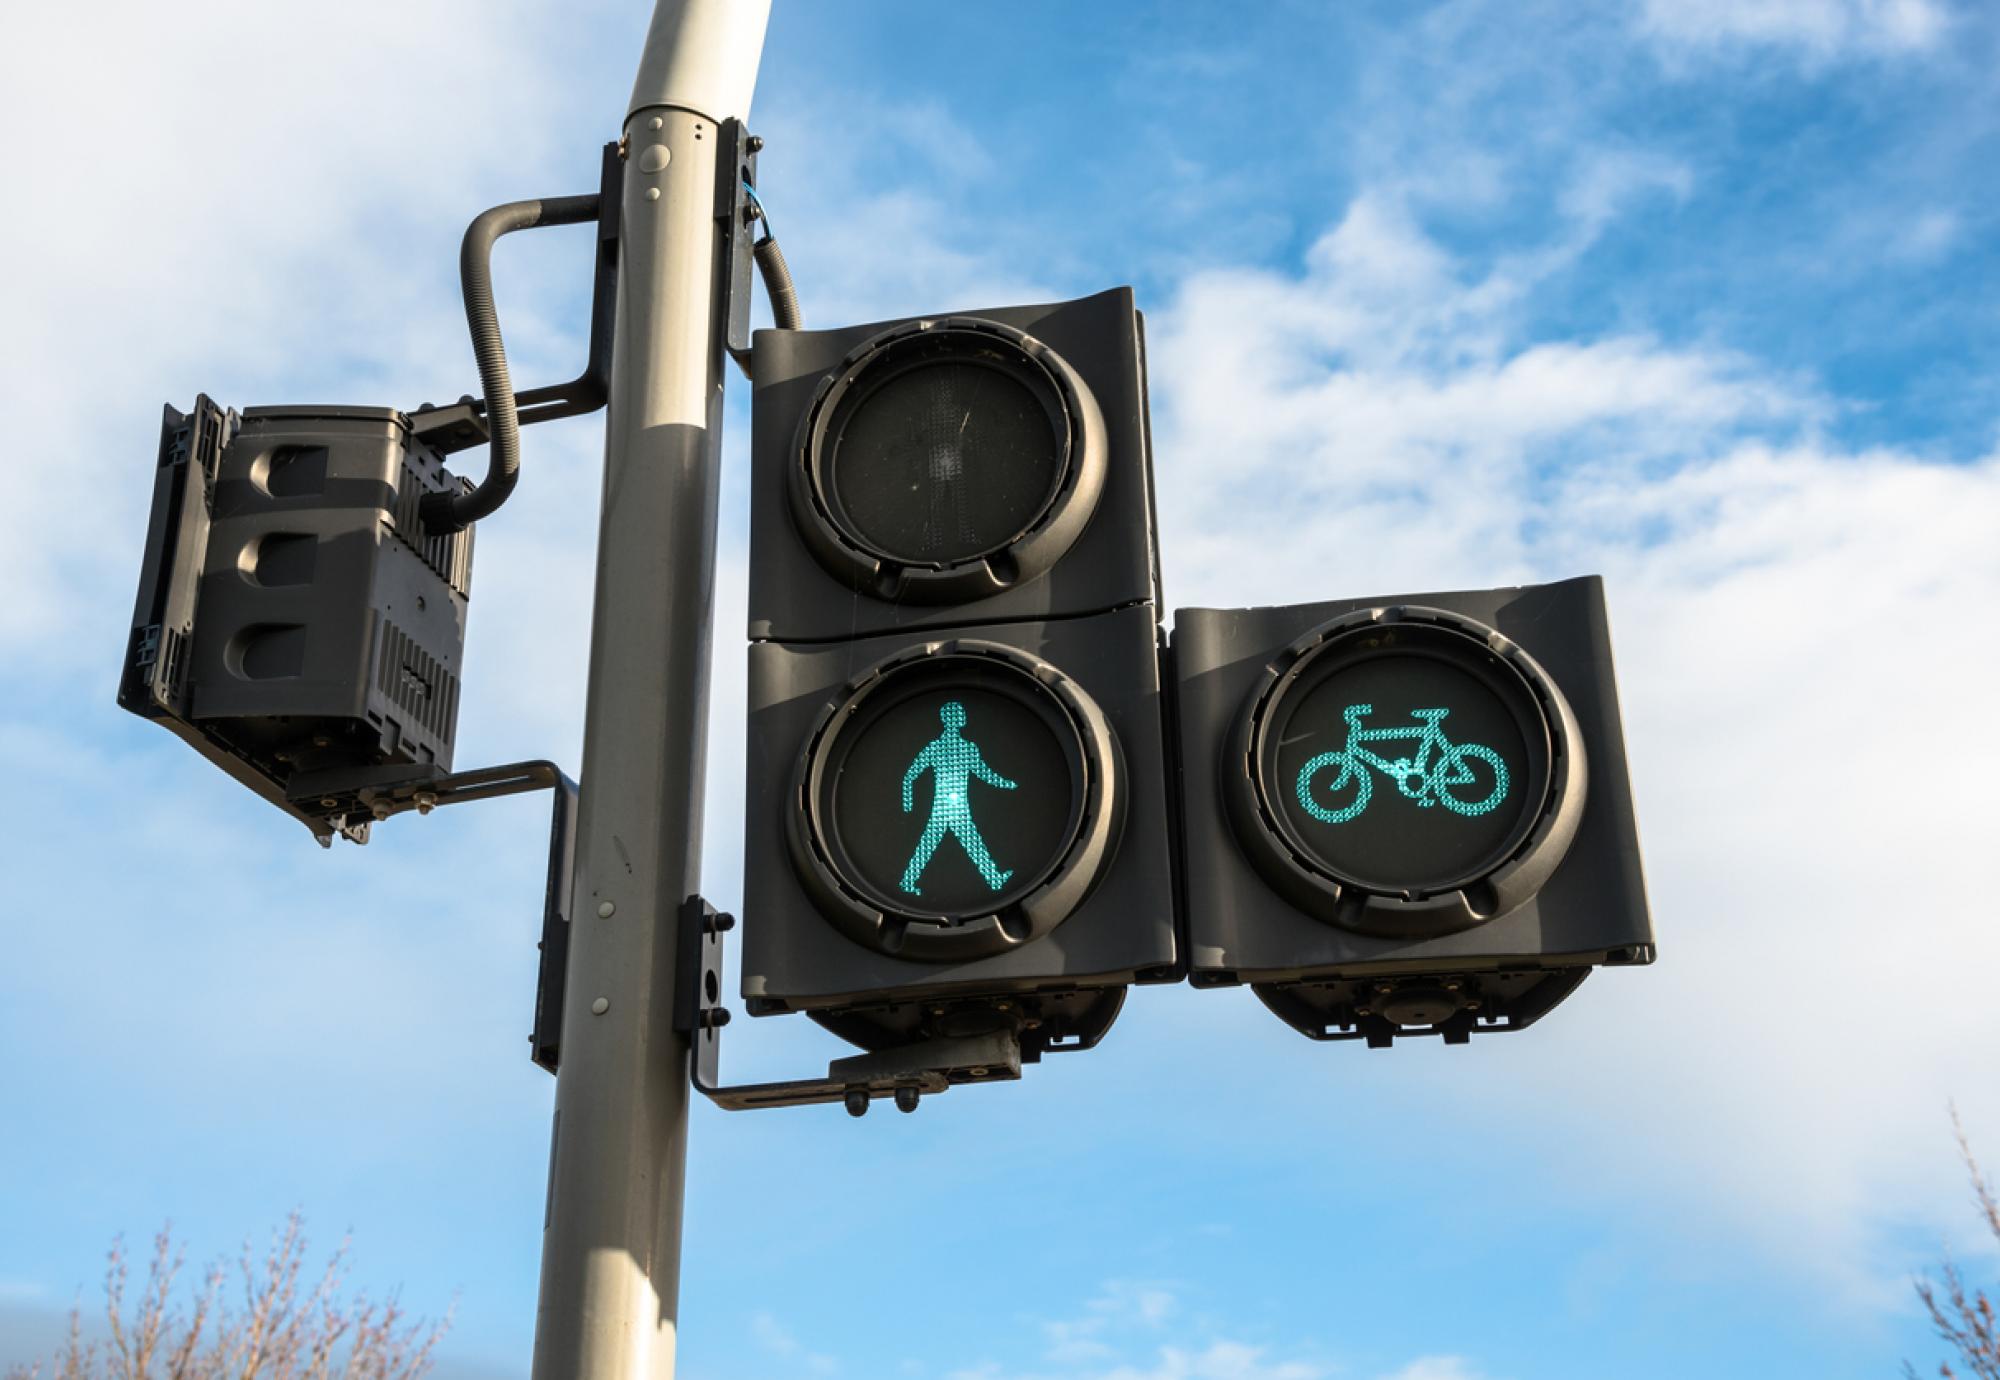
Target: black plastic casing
x=1112, y=563
x=1332, y=982
x=294, y=621
x=796, y=959
x=1092, y=615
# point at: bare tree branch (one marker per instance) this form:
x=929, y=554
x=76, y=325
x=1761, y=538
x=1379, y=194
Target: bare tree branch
x=1963, y=1317
x=277, y=1330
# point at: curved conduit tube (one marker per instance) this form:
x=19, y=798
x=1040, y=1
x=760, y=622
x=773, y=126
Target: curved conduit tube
x=445, y=512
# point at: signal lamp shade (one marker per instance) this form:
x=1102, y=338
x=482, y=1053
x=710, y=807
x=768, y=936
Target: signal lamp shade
x=1013, y=773
x=947, y=460
x=1406, y=771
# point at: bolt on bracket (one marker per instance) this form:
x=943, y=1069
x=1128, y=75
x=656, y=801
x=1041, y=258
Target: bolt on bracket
x=904, y=1074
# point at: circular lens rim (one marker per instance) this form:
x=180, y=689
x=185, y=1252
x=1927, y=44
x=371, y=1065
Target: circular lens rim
x=889, y=924
x=1076, y=423
x=1313, y=671
x=869, y=382
x=868, y=712
x=1507, y=876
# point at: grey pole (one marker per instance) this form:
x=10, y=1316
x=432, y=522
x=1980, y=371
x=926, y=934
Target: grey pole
x=617, y=1159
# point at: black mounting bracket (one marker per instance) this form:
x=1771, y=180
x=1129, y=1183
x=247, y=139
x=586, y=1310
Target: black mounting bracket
x=371, y=794
x=460, y=425
x=905, y=1073
x=736, y=211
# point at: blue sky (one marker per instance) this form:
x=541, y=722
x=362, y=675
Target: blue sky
x=1694, y=293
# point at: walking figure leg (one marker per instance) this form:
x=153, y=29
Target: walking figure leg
x=921, y=859
x=975, y=849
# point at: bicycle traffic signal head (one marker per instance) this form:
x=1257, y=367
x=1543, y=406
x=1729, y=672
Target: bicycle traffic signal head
x=1407, y=815
x=957, y=783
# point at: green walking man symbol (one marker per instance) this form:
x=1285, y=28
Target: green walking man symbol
x=953, y=760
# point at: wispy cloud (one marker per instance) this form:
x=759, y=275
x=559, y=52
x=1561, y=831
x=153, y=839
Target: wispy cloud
x=1385, y=410
x=1134, y=1331
x=222, y=257
x=778, y=1342
x=1143, y=1331
x=1821, y=30
x=1123, y=1305
x=1927, y=236
x=1438, y=1368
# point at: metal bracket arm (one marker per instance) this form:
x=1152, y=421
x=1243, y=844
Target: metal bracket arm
x=461, y=425
x=735, y=212
x=905, y=1073
x=376, y=793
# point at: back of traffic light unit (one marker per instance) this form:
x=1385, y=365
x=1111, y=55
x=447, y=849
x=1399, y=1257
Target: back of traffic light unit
x=1408, y=815
x=957, y=783
x=301, y=610
x=330, y=632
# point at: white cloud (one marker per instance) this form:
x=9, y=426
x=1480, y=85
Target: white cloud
x=1217, y=1361
x=1927, y=236
x=200, y=219
x=1607, y=181
x=1792, y=617
x=867, y=248
x=1140, y=1331
x=777, y=1340
x=1796, y=629
x=1816, y=29
x=1120, y=1305
x=1437, y=1368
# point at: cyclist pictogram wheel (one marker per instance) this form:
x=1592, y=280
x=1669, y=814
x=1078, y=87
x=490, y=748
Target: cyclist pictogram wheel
x=1463, y=773
x=1405, y=771
x=1340, y=798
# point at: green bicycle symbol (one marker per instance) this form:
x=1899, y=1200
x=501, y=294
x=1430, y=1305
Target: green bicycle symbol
x=1429, y=776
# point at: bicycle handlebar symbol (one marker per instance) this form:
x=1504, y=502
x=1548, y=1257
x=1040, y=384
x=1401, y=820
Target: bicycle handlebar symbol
x=1429, y=775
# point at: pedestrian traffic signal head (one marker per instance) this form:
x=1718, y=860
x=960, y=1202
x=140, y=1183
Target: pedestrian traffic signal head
x=957, y=787
x=951, y=470
x=946, y=460
x=958, y=800
x=1407, y=815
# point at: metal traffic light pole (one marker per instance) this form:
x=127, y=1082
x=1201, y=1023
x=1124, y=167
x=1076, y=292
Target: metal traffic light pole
x=612, y=1231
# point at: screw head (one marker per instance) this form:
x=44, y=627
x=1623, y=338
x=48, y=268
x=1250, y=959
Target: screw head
x=606, y=909
x=600, y=1006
